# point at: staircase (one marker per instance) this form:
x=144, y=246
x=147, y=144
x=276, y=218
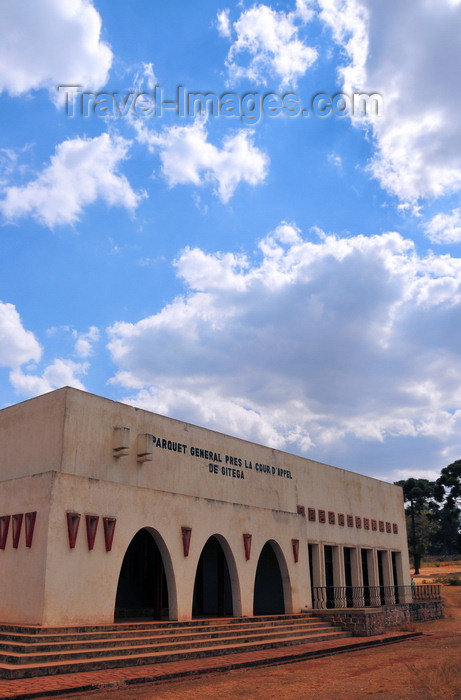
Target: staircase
x=27, y=651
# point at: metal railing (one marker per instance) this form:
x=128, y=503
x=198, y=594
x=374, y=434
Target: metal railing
x=324, y=597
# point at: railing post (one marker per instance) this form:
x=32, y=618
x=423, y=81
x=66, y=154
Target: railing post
x=375, y=596
x=359, y=597
x=389, y=595
x=340, y=597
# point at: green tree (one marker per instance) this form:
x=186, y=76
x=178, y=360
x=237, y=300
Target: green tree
x=418, y=493
x=426, y=528
x=450, y=481
x=448, y=492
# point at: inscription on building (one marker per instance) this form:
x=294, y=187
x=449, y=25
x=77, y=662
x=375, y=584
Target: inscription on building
x=222, y=464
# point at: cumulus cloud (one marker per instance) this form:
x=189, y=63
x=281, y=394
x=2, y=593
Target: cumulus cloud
x=408, y=53
x=307, y=346
x=145, y=78
x=271, y=41
x=17, y=345
x=57, y=374
x=188, y=157
x=336, y=160
x=10, y=164
x=49, y=42
x=210, y=409
x=223, y=23
x=445, y=228
x=81, y=171
x=85, y=341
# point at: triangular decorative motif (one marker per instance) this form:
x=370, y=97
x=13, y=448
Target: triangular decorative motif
x=109, y=529
x=30, y=526
x=186, y=535
x=247, y=544
x=4, y=527
x=295, y=545
x=92, y=522
x=73, y=521
x=17, y=525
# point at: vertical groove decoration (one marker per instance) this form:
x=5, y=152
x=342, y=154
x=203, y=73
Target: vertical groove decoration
x=17, y=526
x=186, y=535
x=4, y=527
x=73, y=521
x=92, y=522
x=30, y=526
x=247, y=544
x=109, y=529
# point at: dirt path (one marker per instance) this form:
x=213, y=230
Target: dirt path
x=425, y=668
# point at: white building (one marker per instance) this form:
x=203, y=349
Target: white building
x=107, y=510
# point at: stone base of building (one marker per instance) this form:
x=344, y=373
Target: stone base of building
x=368, y=622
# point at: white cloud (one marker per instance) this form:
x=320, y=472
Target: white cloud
x=59, y=373
x=271, y=40
x=81, y=171
x=212, y=410
x=349, y=23
x=49, y=42
x=309, y=346
x=409, y=53
x=417, y=472
x=188, y=157
x=223, y=23
x=17, y=345
x=445, y=228
x=335, y=160
x=9, y=158
x=303, y=10
x=84, y=341
x=145, y=78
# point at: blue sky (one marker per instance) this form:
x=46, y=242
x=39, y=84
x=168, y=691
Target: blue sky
x=293, y=280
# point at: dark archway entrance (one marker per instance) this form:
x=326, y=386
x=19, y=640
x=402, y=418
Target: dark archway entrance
x=142, y=589
x=212, y=588
x=268, y=591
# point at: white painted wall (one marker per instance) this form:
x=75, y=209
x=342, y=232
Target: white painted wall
x=57, y=456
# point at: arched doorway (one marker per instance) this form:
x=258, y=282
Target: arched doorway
x=268, y=591
x=212, y=587
x=142, y=590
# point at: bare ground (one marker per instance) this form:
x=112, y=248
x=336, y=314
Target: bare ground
x=424, y=668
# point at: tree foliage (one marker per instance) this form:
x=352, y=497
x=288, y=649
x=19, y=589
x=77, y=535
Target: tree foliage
x=433, y=513
x=448, y=485
x=418, y=493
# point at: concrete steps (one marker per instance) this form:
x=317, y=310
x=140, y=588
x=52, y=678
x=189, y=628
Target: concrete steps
x=26, y=652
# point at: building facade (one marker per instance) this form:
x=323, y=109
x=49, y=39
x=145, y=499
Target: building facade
x=108, y=511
